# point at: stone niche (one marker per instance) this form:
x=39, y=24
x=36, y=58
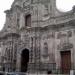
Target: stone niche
x=45, y=50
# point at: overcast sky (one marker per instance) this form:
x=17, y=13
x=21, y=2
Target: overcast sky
x=63, y=5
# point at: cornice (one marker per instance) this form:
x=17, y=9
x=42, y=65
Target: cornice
x=4, y=35
x=70, y=24
x=8, y=11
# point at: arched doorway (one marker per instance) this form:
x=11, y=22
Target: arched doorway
x=24, y=60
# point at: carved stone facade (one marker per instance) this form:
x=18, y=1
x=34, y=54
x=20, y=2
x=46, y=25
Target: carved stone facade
x=48, y=33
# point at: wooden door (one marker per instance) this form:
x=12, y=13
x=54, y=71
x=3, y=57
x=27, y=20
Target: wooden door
x=66, y=61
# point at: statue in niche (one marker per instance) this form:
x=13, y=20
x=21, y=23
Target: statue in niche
x=45, y=50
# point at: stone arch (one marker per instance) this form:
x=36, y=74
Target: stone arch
x=24, y=59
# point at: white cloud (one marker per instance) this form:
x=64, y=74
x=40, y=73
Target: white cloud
x=63, y=5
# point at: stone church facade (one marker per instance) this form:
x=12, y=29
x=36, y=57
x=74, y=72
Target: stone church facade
x=37, y=37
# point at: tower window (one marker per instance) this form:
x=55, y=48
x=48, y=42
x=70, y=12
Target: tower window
x=28, y=20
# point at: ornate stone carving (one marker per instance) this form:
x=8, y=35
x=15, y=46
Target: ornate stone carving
x=49, y=35
x=69, y=33
x=65, y=46
x=26, y=4
x=66, y=34
x=40, y=1
x=60, y=35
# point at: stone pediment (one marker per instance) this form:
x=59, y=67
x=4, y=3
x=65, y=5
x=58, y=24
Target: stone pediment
x=28, y=3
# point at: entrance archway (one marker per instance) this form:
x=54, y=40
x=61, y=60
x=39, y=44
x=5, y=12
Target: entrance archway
x=24, y=60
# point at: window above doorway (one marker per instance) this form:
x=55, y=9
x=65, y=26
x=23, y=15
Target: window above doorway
x=28, y=20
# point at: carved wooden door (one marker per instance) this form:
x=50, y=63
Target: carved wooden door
x=65, y=61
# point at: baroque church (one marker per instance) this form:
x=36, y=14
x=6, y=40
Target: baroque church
x=37, y=37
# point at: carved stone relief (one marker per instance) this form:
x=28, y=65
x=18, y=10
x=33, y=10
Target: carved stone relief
x=26, y=4
x=64, y=40
x=49, y=35
x=65, y=46
x=66, y=34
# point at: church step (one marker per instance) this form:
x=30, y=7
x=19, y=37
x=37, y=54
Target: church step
x=46, y=74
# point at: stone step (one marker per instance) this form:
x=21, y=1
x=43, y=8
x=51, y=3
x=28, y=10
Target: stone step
x=46, y=74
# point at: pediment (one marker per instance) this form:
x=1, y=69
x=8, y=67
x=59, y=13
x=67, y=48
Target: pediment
x=45, y=4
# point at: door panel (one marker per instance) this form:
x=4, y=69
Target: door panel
x=66, y=61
